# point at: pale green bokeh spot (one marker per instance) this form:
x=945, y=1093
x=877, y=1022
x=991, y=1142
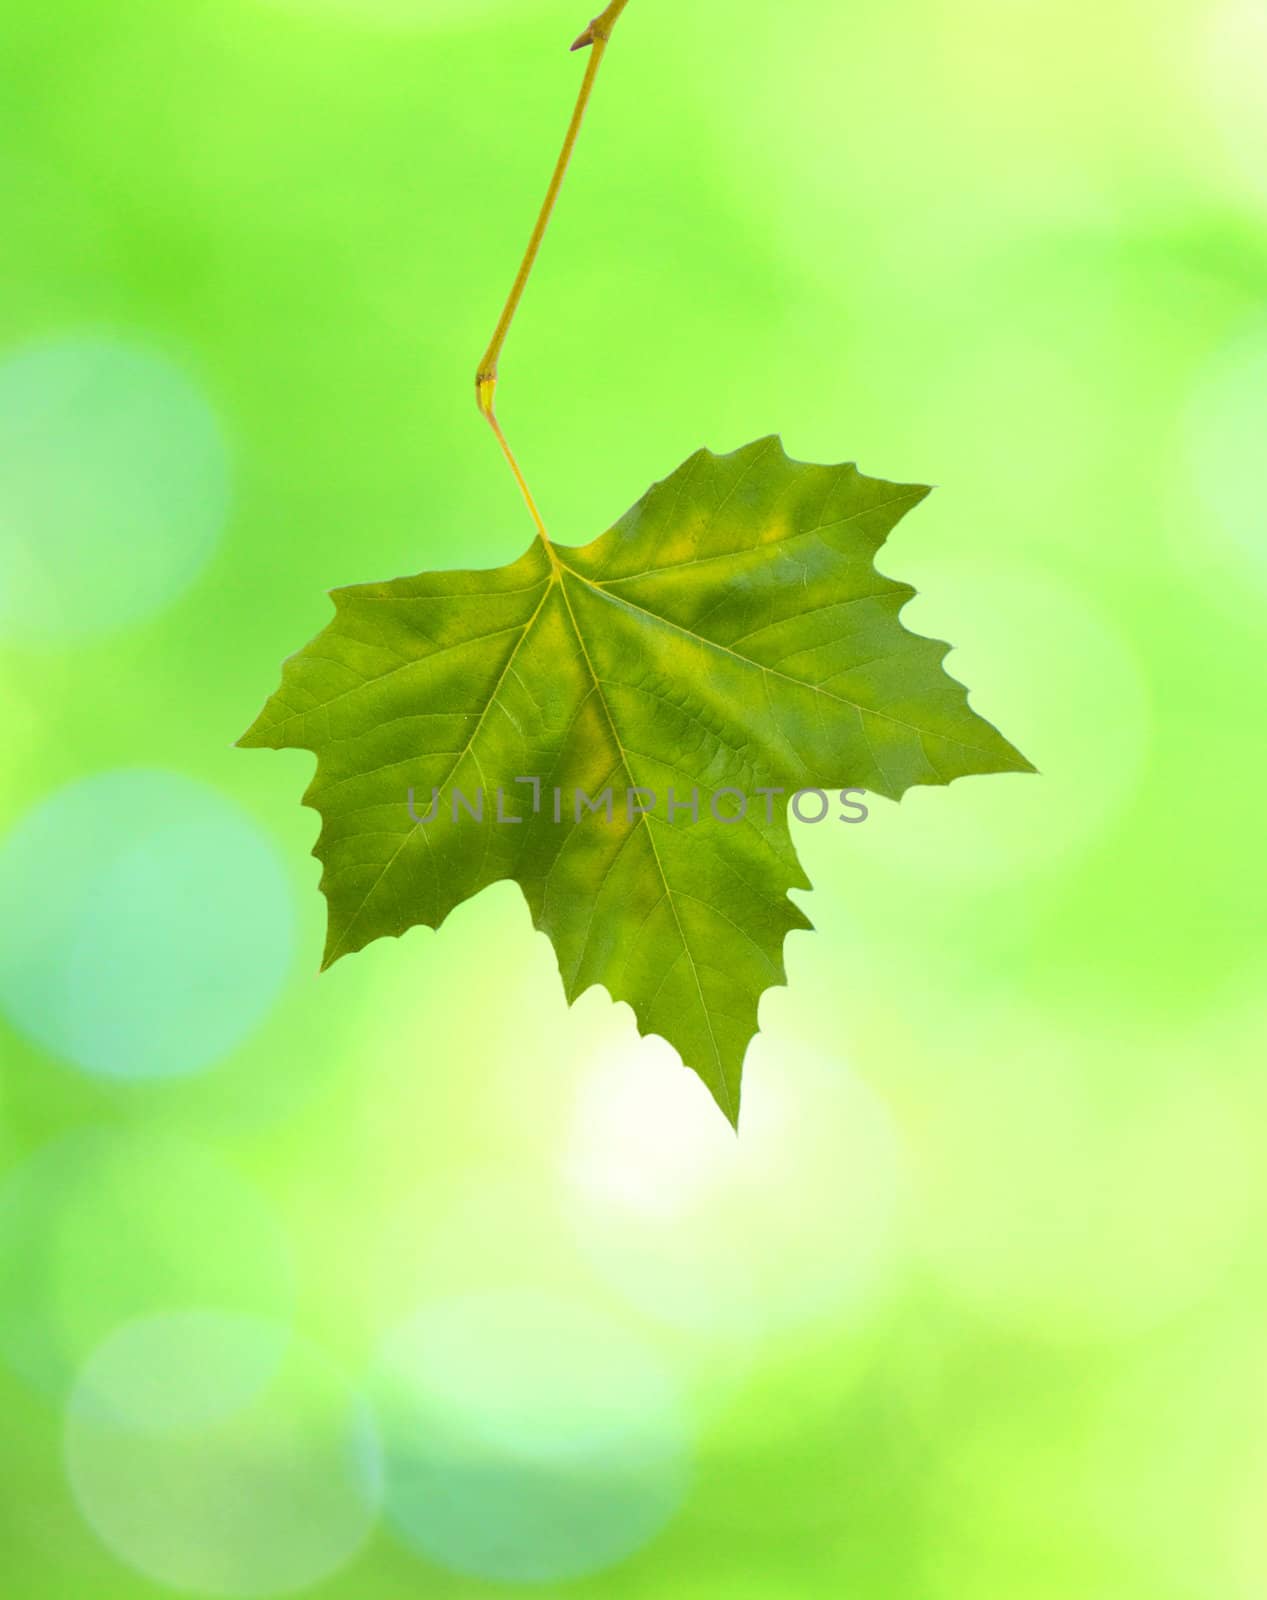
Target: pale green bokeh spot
x=156, y=925
x=528, y=1439
x=103, y=1225
x=265, y=1489
x=115, y=487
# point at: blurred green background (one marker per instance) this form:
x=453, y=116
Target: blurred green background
x=410, y=1281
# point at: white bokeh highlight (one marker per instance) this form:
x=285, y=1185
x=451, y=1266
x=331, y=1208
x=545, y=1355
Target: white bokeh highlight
x=150, y=926
x=1228, y=57
x=115, y=489
x=789, y=1224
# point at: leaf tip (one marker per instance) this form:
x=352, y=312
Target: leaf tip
x=720, y=1092
x=1018, y=761
x=336, y=947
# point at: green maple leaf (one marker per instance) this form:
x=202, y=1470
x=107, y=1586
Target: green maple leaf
x=730, y=632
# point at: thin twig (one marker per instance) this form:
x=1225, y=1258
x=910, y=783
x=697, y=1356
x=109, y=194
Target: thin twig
x=596, y=38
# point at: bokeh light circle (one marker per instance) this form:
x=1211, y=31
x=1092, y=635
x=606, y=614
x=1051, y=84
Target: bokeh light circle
x=1226, y=461
x=1230, y=57
x=115, y=487
x=790, y=1224
x=187, y=1370
x=150, y=925
x=99, y=1227
x=265, y=1483
x=528, y=1439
